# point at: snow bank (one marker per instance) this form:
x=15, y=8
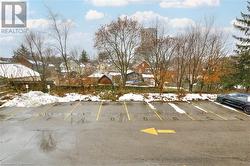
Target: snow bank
x=190, y=97
x=150, y=97
x=131, y=97
x=37, y=98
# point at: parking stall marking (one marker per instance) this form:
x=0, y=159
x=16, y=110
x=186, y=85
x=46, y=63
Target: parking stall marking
x=179, y=110
x=126, y=109
x=199, y=108
x=159, y=117
x=230, y=108
x=99, y=111
x=221, y=117
x=72, y=110
x=154, y=110
x=43, y=113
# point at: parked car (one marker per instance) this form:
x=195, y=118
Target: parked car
x=239, y=100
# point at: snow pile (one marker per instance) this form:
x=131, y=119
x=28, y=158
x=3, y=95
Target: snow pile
x=131, y=97
x=190, y=97
x=78, y=97
x=150, y=97
x=37, y=98
x=162, y=97
x=32, y=99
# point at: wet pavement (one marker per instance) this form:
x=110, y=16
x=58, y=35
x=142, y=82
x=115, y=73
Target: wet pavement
x=109, y=133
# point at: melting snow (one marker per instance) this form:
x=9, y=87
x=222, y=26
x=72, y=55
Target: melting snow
x=131, y=97
x=37, y=98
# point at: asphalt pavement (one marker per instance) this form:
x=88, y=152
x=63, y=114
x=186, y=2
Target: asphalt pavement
x=198, y=133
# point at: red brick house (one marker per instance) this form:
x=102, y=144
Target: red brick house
x=142, y=67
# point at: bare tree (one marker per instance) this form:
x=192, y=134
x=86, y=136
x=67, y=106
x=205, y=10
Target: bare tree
x=157, y=50
x=75, y=56
x=40, y=53
x=120, y=40
x=216, y=51
x=199, y=37
x=182, y=51
x=60, y=32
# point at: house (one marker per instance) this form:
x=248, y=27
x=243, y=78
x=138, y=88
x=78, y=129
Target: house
x=115, y=77
x=142, y=67
x=149, y=79
x=18, y=72
x=105, y=80
x=6, y=60
x=73, y=67
x=104, y=67
x=134, y=78
x=98, y=78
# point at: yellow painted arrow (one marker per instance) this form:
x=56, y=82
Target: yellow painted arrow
x=153, y=131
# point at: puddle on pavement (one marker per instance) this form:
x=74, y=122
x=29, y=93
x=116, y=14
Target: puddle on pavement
x=48, y=142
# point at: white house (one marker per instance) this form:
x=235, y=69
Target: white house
x=73, y=67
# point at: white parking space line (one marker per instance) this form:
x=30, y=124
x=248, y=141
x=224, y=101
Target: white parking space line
x=230, y=108
x=179, y=110
x=199, y=108
x=208, y=111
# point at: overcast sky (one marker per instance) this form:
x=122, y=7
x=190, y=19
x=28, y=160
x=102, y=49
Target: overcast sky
x=88, y=15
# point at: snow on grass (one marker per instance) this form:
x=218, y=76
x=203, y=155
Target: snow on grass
x=37, y=98
x=166, y=97
x=190, y=97
x=162, y=97
x=132, y=97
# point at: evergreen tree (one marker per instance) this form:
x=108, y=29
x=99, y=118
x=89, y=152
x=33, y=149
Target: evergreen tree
x=242, y=74
x=84, y=57
x=21, y=53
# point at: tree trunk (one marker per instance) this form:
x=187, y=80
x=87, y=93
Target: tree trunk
x=190, y=87
x=247, y=89
x=124, y=79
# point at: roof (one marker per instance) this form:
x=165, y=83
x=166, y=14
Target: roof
x=96, y=75
x=147, y=75
x=130, y=71
x=16, y=71
x=114, y=73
